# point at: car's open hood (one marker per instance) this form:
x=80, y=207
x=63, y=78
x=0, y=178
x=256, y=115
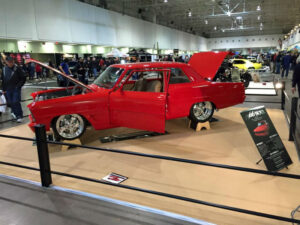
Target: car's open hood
x=207, y=63
x=59, y=72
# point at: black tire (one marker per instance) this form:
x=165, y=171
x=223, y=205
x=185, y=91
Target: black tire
x=197, y=116
x=76, y=129
x=246, y=78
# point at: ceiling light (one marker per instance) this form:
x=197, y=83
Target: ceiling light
x=165, y=1
x=260, y=28
x=239, y=17
x=229, y=13
x=215, y=28
x=258, y=8
x=259, y=17
x=261, y=24
x=223, y=30
x=190, y=13
x=206, y=21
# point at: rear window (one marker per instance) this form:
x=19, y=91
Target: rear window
x=178, y=76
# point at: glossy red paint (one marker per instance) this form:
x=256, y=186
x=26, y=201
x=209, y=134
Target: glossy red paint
x=106, y=108
x=207, y=63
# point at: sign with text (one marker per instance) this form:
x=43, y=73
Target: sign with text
x=266, y=138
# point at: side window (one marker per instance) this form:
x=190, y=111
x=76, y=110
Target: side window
x=238, y=62
x=178, y=76
x=145, y=81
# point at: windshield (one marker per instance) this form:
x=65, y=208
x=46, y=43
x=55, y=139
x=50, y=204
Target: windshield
x=109, y=77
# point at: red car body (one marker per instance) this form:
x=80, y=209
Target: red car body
x=114, y=107
x=262, y=129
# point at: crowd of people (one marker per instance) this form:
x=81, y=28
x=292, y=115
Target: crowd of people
x=282, y=63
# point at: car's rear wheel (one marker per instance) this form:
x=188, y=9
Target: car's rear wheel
x=69, y=127
x=246, y=78
x=202, y=112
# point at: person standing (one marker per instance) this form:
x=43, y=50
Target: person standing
x=296, y=77
x=81, y=70
x=13, y=78
x=278, y=63
x=38, y=70
x=94, y=66
x=64, y=68
x=286, y=62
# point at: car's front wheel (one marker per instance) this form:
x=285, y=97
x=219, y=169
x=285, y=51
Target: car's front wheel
x=69, y=127
x=202, y=112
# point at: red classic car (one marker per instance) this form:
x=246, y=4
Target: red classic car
x=140, y=95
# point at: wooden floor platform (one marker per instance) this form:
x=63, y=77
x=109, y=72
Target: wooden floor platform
x=227, y=142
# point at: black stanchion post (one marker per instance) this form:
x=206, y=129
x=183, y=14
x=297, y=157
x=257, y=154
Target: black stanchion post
x=43, y=153
x=293, y=118
x=283, y=95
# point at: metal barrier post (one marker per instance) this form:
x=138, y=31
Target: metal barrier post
x=293, y=118
x=43, y=154
x=283, y=95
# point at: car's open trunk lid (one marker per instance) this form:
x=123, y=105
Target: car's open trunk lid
x=206, y=64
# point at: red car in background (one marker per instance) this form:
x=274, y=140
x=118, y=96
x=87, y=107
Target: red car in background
x=140, y=96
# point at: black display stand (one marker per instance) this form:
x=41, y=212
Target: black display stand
x=266, y=139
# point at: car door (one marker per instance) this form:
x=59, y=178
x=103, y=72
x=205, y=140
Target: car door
x=140, y=108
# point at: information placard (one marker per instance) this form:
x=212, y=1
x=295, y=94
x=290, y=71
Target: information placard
x=266, y=138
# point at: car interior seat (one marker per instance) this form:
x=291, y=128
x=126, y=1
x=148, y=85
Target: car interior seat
x=154, y=86
x=140, y=85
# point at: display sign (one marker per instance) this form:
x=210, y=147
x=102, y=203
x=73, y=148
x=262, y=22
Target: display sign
x=114, y=178
x=266, y=138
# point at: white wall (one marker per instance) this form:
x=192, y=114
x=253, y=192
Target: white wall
x=71, y=21
x=293, y=40
x=244, y=42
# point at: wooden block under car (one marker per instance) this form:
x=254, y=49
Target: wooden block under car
x=199, y=126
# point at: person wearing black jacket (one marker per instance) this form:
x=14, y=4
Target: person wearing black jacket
x=296, y=77
x=13, y=78
x=81, y=70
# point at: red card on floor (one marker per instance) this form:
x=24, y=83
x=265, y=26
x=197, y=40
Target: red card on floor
x=114, y=178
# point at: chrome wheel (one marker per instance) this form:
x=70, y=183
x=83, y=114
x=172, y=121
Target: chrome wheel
x=70, y=126
x=202, y=111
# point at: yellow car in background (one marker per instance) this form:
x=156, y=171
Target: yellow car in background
x=246, y=64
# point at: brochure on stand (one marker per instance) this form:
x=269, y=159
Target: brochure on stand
x=266, y=138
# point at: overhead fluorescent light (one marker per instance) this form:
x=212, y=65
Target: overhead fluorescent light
x=258, y=8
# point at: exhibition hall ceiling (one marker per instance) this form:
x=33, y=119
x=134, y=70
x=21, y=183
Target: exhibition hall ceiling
x=213, y=18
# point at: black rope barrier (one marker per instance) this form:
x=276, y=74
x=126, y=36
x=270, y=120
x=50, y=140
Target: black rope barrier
x=230, y=208
x=17, y=137
x=20, y=166
x=243, y=169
